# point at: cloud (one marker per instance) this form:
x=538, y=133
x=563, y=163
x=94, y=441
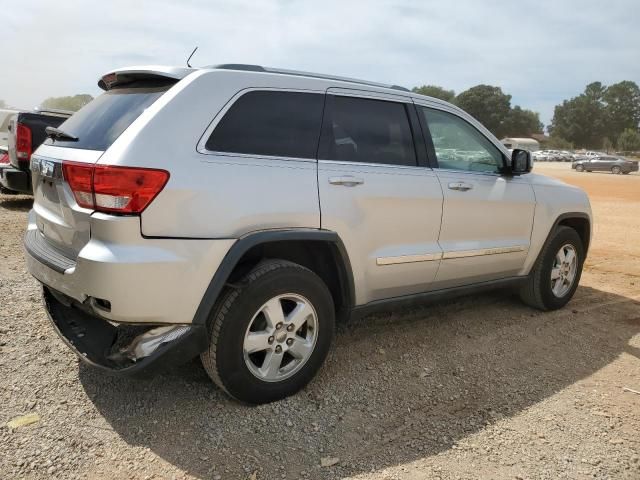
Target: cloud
x=541, y=52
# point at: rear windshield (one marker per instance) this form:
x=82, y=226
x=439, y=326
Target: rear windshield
x=101, y=121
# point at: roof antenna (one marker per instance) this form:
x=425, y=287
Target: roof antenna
x=194, y=51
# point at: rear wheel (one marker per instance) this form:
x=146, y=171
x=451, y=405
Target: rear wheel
x=616, y=170
x=579, y=168
x=269, y=336
x=555, y=277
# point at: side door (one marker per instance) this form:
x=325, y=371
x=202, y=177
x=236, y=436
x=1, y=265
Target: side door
x=378, y=194
x=487, y=218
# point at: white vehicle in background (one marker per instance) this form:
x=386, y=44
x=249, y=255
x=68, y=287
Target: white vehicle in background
x=591, y=154
x=5, y=117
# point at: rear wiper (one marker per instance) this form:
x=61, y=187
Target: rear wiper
x=57, y=134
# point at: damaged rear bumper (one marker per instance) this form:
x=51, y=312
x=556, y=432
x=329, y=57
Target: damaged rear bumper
x=120, y=349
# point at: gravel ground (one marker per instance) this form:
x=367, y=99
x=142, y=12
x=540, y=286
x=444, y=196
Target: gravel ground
x=481, y=387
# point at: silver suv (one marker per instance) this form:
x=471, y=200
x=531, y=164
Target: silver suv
x=238, y=212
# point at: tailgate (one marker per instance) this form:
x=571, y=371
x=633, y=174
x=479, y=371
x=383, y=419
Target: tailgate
x=61, y=222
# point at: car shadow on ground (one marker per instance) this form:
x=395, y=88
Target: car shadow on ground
x=396, y=388
x=16, y=203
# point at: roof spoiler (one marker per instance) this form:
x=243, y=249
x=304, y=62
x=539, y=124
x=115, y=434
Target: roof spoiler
x=161, y=74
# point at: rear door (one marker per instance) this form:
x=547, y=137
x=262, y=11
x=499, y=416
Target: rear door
x=378, y=194
x=60, y=220
x=487, y=218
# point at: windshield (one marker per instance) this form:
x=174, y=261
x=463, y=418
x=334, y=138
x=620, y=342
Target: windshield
x=99, y=123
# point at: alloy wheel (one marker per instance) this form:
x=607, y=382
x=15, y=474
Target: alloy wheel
x=564, y=270
x=280, y=337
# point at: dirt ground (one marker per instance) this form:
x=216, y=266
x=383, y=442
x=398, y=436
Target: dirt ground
x=482, y=387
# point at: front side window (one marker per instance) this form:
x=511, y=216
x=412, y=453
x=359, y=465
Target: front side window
x=458, y=145
x=367, y=131
x=281, y=124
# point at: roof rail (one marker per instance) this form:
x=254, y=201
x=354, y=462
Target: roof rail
x=282, y=71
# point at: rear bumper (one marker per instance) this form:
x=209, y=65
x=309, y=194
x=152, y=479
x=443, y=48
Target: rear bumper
x=16, y=180
x=126, y=278
x=95, y=340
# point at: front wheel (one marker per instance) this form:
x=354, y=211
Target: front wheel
x=579, y=168
x=555, y=277
x=271, y=334
x=616, y=170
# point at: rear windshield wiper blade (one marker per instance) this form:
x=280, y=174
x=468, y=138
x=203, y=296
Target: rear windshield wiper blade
x=57, y=134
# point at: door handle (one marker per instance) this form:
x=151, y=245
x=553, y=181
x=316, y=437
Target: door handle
x=460, y=186
x=347, y=181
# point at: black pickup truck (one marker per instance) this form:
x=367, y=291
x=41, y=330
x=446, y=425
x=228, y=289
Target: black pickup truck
x=26, y=133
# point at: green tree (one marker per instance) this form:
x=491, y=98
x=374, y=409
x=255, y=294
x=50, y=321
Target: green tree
x=622, y=108
x=582, y=119
x=607, y=145
x=74, y=103
x=435, y=92
x=522, y=123
x=629, y=141
x=489, y=105
x=559, y=143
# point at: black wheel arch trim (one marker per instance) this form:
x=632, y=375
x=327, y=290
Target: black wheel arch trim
x=244, y=244
x=558, y=220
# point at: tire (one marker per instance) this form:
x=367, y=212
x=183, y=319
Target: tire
x=616, y=170
x=537, y=292
x=239, y=309
x=579, y=168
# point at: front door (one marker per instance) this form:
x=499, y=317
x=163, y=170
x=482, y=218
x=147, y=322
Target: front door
x=487, y=218
x=384, y=202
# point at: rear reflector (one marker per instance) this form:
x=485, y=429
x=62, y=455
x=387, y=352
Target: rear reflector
x=23, y=142
x=107, y=188
x=4, y=158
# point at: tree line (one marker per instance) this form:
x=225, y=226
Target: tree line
x=492, y=107
x=600, y=117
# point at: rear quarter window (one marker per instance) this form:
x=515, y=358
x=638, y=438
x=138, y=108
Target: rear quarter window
x=99, y=123
x=270, y=123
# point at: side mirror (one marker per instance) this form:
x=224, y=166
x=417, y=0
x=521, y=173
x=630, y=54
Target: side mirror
x=521, y=161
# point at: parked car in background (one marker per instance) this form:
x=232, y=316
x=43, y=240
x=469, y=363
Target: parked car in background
x=541, y=156
x=26, y=133
x=606, y=163
x=591, y=153
x=5, y=117
x=282, y=203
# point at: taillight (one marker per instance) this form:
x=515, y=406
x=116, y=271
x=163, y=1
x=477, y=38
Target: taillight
x=23, y=142
x=107, y=188
x=79, y=176
x=4, y=158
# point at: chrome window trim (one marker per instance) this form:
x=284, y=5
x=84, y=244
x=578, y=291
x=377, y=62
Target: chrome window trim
x=378, y=165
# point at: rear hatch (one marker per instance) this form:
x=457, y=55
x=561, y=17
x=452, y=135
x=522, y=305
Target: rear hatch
x=61, y=222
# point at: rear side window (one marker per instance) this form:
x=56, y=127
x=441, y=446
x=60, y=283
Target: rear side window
x=368, y=131
x=281, y=124
x=99, y=123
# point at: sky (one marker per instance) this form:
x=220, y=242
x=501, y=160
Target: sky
x=540, y=52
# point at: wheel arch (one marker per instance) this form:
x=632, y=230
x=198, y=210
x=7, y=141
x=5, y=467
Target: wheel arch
x=322, y=251
x=579, y=221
